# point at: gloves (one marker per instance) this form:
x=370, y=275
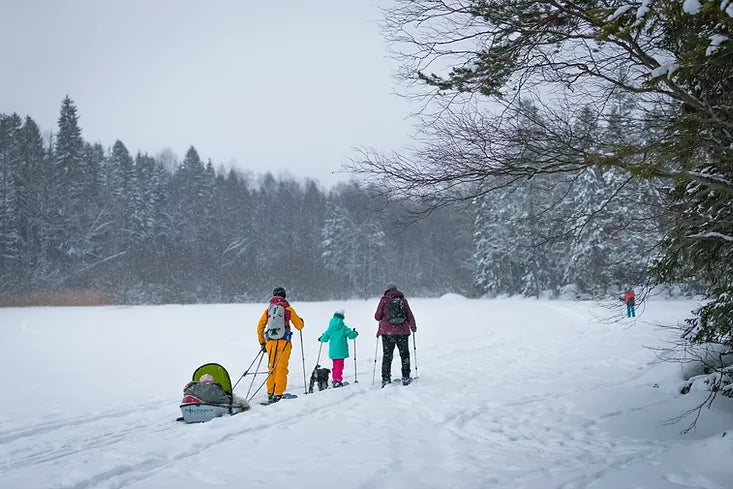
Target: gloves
x=263, y=347
x=320, y=338
x=413, y=329
x=354, y=330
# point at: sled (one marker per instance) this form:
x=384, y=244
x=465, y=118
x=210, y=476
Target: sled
x=214, y=400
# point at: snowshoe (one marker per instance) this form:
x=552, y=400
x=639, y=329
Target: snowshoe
x=271, y=399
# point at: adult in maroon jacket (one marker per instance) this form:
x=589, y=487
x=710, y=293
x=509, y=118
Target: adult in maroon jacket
x=393, y=333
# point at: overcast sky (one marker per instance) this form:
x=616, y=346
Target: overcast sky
x=282, y=86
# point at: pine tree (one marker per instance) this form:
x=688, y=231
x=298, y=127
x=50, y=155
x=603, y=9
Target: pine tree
x=190, y=197
x=308, y=272
x=144, y=198
x=238, y=240
x=11, y=244
x=338, y=247
x=354, y=242
x=91, y=179
x=34, y=211
x=590, y=218
x=122, y=192
x=496, y=271
x=68, y=237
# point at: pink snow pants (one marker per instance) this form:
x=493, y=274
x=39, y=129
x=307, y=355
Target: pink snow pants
x=338, y=369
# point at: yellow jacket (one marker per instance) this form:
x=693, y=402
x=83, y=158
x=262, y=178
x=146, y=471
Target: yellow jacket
x=295, y=320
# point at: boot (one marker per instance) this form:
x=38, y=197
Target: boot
x=406, y=380
x=385, y=382
x=276, y=398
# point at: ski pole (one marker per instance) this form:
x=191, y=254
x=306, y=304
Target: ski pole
x=318, y=359
x=414, y=347
x=355, y=381
x=302, y=355
x=257, y=371
x=376, y=349
x=248, y=368
x=271, y=371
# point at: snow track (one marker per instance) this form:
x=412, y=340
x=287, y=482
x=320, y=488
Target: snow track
x=47, y=427
x=530, y=395
x=122, y=436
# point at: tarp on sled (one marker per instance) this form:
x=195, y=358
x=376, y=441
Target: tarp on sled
x=206, y=401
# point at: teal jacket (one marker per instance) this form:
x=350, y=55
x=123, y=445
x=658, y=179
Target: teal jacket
x=337, y=335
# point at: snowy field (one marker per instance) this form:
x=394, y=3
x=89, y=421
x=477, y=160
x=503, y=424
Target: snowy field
x=512, y=394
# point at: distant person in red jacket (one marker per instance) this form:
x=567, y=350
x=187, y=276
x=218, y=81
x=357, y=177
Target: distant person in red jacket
x=630, y=301
x=395, y=323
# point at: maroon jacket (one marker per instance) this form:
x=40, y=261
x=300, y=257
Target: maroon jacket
x=381, y=316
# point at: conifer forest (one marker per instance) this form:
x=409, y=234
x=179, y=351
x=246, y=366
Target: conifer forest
x=152, y=229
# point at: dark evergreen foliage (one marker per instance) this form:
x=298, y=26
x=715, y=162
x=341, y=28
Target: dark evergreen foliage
x=75, y=217
x=657, y=78
x=11, y=226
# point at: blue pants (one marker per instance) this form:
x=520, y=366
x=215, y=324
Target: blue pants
x=630, y=312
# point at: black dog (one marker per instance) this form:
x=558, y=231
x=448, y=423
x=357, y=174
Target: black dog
x=319, y=376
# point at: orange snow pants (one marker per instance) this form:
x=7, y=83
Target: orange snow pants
x=278, y=353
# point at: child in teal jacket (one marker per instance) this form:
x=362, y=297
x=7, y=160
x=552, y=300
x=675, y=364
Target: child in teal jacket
x=337, y=335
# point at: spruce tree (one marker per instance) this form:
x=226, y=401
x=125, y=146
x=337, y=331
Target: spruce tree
x=67, y=192
x=11, y=224
x=121, y=187
x=34, y=211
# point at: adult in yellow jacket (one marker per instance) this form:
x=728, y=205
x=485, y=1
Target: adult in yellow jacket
x=274, y=334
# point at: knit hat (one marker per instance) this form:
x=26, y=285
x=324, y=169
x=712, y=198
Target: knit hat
x=207, y=379
x=341, y=313
x=390, y=286
x=279, y=291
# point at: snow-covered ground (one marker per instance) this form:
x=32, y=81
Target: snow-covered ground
x=512, y=394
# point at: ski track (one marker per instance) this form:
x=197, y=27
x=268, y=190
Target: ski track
x=123, y=475
x=521, y=419
x=539, y=423
x=43, y=428
x=529, y=425
x=105, y=438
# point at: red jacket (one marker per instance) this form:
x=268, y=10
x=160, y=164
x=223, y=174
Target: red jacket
x=629, y=298
x=381, y=315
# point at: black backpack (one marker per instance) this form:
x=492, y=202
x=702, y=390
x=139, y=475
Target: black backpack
x=396, y=310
